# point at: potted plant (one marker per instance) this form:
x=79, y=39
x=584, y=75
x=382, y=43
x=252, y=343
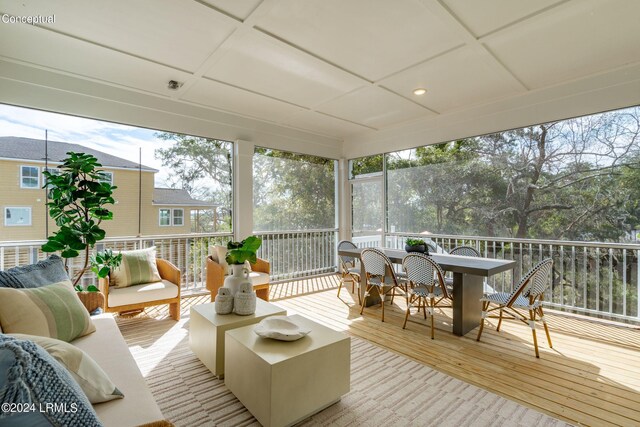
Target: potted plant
x=78, y=195
x=237, y=254
x=416, y=245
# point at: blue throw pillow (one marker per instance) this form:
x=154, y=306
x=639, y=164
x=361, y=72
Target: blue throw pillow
x=36, y=390
x=45, y=272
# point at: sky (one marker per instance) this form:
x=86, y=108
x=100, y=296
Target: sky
x=116, y=139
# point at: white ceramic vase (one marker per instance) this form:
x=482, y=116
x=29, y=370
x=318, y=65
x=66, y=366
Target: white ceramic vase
x=233, y=281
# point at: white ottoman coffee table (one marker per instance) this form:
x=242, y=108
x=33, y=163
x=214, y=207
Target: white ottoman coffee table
x=207, y=328
x=281, y=382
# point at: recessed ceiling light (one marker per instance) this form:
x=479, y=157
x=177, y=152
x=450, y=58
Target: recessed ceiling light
x=419, y=91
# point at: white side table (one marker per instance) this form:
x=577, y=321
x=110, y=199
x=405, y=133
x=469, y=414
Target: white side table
x=282, y=383
x=207, y=328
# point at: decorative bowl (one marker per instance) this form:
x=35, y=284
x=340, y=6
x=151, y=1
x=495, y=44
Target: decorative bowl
x=280, y=328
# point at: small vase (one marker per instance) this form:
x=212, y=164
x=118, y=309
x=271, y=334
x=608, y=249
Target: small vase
x=233, y=281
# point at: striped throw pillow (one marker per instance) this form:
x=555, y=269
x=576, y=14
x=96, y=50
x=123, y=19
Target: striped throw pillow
x=53, y=311
x=137, y=267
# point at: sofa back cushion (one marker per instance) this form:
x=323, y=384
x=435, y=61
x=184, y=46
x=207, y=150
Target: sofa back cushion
x=137, y=267
x=45, y=272
x=50, y=311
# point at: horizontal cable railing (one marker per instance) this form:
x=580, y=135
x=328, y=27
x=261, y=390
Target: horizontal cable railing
x=595, y=278
x=188, y=252
x=302, y=253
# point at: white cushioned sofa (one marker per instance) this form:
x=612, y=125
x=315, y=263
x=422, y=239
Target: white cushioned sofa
x=108, y=348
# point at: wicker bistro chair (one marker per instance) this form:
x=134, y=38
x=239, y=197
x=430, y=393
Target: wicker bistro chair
x=464, y=251
x=527, y=296
x=460, y=251
x=348, y=270
x=378, y=267
x=426, y=285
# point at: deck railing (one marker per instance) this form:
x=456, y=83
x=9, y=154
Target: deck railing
x=588, y=277
x=294, y=254
x=187, y=251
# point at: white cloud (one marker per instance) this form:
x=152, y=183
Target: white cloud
x=116, y=139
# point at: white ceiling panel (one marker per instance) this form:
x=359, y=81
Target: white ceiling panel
x=373, y=106
x=61, y=53
x=181, y=34
x=586, y=38
x=269, y=67
x=240, y=9
x=322, y=124
x=464, y=77
x=372, y=39
x=228, y=98
x=482, y=17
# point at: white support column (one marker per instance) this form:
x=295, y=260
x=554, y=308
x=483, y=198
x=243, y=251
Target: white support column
x=344, y=200
x=243, y=189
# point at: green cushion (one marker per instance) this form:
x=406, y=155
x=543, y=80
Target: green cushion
x=137, y=267
x=49, y=311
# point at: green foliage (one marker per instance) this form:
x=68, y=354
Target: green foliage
x=78, y=195
x=574, y=179
x=415, y=242
x=203, y=167
x=103, y=262
x=292, y=191
x=239, y=252
x=366, y=165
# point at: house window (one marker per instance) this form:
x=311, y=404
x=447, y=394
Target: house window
x=178, y=217
x=29, y=177
x=52, y=171
x=107, y=177
x=165, y=217
x=16, y=216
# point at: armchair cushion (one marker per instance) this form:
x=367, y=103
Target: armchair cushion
x=146, y=292
x=258, y=278
x=138, y=266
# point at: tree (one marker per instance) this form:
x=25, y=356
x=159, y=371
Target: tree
x=202, y=166
x=293, y=191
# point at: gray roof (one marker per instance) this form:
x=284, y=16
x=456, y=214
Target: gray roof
x=177, y=196
x=13, y=147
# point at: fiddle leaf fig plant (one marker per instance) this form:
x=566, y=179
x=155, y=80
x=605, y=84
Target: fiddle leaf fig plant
x=78, y=195
x=239, y=252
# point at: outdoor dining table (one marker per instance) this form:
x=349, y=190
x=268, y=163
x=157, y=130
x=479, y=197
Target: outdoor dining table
x=468, y=274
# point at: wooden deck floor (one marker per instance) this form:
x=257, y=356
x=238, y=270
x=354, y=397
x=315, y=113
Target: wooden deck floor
x=590, y=377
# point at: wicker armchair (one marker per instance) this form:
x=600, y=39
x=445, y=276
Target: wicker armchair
x=378, y=267
x=216, y=275
x=138, y=297
x=349, y=273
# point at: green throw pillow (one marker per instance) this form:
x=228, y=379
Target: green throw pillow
x=137, y=267
x=95, y=383
x=49, y=311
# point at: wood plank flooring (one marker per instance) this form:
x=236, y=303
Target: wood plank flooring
x=590, y=377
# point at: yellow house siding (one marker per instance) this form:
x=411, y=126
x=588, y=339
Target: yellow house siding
x=125, y=210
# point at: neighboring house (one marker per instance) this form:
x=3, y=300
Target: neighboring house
x=22, y=198
x=176, y=208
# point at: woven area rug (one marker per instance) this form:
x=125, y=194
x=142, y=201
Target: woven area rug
x=386, y=389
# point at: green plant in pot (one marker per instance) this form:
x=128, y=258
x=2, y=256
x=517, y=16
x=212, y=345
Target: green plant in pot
x=78, y=196
x=416, y=245
x=237, y=254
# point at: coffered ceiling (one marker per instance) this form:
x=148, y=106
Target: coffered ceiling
x=335, y=68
